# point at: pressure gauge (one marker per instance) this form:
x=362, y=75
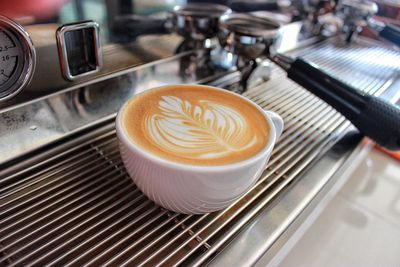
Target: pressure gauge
x=17, y=58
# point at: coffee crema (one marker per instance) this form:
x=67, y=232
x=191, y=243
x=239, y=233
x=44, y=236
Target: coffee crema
x=195, y=125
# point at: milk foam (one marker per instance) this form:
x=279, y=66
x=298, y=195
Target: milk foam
x=204, y=131
x=195, y=125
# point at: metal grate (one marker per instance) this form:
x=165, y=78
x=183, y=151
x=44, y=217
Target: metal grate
x=79, y=207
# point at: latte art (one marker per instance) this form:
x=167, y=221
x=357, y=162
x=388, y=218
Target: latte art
x=195, y=125
x=204, y=131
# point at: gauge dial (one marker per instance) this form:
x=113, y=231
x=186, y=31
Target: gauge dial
x=17, y=58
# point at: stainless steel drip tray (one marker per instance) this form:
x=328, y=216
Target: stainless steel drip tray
x=73, y=203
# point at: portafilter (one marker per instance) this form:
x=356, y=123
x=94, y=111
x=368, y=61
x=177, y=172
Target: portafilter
x=242, y=42
x=359, y=13
x=374, y=117
x=195, y=22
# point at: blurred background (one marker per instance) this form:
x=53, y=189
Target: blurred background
x=105, y=12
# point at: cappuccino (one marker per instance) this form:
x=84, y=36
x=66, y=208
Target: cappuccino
x=195, y=125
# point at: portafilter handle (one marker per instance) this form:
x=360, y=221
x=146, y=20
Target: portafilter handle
x=386, y=31
x=374, y=117
x=391, y=33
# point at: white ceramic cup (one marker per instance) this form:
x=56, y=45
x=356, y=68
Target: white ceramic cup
x=194, y=189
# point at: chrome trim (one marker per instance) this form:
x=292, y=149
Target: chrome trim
x=197, y=22
x=62, y=49
x=208, y=10
x=327, y=186
x=270, y=224
x=250, y=25
x=29, y=57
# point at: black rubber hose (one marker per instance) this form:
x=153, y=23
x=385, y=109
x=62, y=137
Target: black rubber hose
x=391, y=33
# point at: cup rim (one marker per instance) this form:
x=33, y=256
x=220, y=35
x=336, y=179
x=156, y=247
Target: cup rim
x=123, y=137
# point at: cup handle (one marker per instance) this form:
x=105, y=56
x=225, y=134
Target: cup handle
x=277, y=121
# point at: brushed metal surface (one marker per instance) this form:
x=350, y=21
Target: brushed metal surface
x=73, y=203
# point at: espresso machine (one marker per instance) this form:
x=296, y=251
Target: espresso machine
x=65, y=196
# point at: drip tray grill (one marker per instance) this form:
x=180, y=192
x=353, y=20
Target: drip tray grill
x=79, y=207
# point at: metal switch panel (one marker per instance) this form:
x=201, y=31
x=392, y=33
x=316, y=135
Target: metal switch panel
x=79, y=49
